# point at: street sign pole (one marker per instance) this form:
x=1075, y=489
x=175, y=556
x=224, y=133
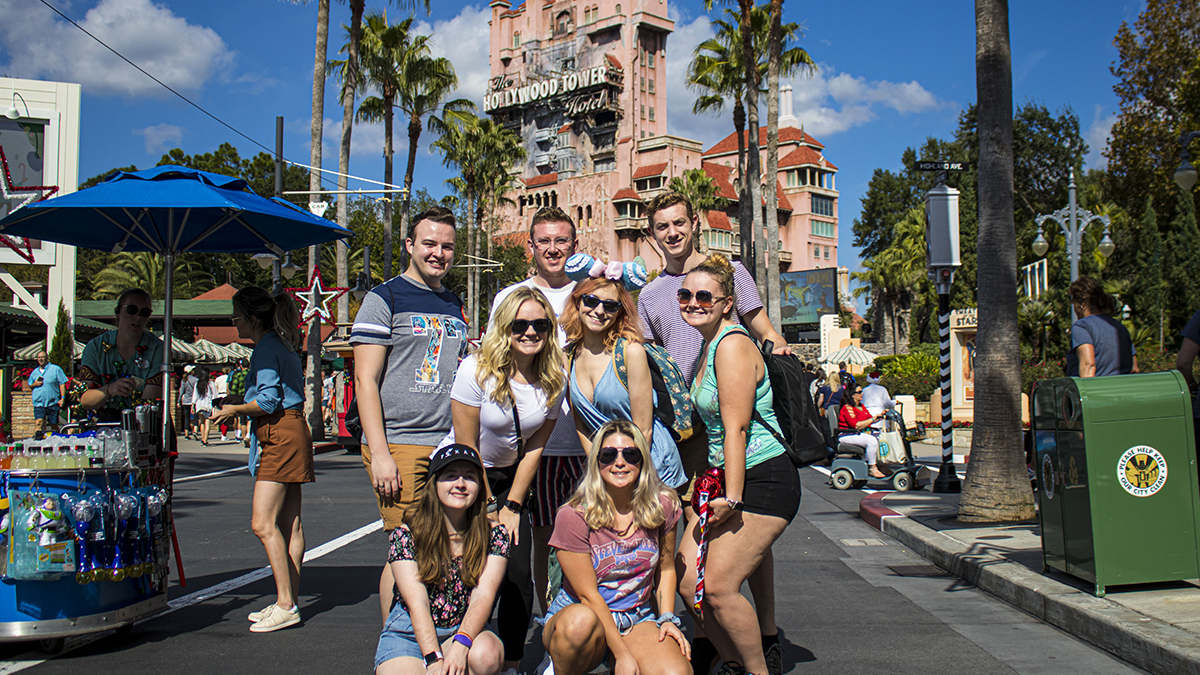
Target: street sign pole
x=942, y=257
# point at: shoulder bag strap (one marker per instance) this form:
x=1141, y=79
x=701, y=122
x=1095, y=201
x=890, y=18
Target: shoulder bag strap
x=757, y=417
x=517, y=426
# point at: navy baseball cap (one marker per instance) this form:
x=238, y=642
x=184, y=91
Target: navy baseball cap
x=455, y=452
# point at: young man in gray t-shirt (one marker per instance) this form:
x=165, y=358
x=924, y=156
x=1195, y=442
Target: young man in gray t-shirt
x=408, y=338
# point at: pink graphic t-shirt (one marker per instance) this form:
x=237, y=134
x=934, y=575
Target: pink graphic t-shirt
x=624, y=566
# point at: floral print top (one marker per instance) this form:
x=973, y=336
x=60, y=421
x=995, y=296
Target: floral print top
x=448, y=600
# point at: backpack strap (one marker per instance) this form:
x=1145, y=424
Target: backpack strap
x=517, y=425
x=757, y=416
x=618, y=363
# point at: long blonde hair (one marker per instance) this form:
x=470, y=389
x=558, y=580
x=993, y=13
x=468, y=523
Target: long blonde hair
x=591, y=498
x=494, y=359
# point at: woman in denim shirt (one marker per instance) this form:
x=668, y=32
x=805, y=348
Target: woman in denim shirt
x=281, y=452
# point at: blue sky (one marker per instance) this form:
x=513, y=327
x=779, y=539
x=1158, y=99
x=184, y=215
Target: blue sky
x=890, y=75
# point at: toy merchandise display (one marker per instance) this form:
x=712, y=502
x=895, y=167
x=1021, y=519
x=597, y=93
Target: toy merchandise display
x=85, y=537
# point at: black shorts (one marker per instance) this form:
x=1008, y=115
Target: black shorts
x=773, y=488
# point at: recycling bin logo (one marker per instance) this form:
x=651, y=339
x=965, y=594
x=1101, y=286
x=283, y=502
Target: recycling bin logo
x=1048, y=476
x=1142, y=471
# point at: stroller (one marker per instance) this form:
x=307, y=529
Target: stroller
x=849, y=467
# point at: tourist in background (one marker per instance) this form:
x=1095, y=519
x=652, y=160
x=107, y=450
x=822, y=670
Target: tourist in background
x=48, y=385
x=281, y=450
x=1100, y=345
x=829, y=399
x=122, y=367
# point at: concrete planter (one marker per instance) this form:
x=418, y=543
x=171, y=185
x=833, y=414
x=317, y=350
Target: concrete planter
x=962, y=441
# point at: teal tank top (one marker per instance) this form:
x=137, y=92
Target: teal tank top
x=761, y=444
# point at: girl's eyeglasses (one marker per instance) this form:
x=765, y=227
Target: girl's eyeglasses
x=590, y=301
x=608, y=455
x=144, y=312
x=704, y=299
x=521, y=326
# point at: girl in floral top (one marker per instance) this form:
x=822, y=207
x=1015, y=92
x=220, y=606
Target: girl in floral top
x=448, y=562
x=123, y=367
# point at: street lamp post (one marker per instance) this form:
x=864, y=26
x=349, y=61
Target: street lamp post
x=1074, y=222
x=1185, y=175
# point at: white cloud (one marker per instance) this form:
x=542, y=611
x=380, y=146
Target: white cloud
x=1097, y=137
x=181, y=54
x=826, y=102
x=159, y=137
x=464, y=40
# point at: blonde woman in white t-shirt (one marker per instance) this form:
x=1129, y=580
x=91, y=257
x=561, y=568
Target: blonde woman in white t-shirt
x=518, y=369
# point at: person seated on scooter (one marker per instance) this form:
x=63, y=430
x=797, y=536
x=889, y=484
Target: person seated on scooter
x=877, y=399
x=854, y=415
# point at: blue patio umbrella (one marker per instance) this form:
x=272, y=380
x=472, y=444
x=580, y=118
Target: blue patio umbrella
x=171, y=210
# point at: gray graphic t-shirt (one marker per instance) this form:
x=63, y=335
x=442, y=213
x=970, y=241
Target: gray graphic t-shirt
x=427, y=338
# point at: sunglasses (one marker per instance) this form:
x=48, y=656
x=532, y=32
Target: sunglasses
x=521, y=326
x=610, y=306
x=704, y=299
x=144, y=312
x=608, y=455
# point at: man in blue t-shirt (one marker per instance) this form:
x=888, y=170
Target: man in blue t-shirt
x=49, y=385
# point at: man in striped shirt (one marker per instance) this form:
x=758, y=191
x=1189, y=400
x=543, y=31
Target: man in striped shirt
x=675, y=227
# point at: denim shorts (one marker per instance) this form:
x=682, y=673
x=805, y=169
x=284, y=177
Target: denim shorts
x=397, y=638
x=48, y=413
x=625, y=619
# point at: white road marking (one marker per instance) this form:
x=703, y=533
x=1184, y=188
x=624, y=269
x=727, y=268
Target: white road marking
x=204, y=594
x=214, y=474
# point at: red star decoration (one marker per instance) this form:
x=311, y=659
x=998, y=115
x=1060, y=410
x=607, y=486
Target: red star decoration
x=317, y=298
x=12, y=193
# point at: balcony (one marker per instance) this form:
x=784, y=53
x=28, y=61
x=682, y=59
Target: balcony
x=543, y=135
x=627, y=224
x=785, y=257
x=543, y=159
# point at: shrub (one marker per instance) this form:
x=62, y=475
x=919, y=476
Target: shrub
x=907, y=365
x=920, y=386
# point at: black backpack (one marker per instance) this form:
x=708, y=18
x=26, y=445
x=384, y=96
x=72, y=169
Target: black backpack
x=805, y=432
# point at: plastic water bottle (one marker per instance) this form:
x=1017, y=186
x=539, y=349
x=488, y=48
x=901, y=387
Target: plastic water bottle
x=18, y=460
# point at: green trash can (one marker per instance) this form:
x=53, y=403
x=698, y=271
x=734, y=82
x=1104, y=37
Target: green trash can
x=1116, y=467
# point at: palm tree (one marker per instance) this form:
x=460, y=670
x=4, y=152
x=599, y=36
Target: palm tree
x=482, y=151
x=502, y=148
x=997, y=485
x=720, y=68
x=148, y=271
x=424, y=88
x=897, y=271
x=699, y=188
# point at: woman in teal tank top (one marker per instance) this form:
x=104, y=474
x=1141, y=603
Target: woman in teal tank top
x=762, y=486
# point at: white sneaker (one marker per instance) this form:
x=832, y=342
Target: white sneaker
x=276, y=618
x=223, y=439
x=255, y=617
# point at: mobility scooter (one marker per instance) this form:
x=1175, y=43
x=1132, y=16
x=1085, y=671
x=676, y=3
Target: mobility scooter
x=849, y=467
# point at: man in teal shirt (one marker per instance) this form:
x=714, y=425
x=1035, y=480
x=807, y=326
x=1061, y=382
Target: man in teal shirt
x=49, y=385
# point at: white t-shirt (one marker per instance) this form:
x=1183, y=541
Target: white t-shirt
x=221, y=381
x=497, y=433
x=876, y=399
x=564, y=440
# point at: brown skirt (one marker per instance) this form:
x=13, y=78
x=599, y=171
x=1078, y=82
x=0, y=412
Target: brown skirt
x=285, y=449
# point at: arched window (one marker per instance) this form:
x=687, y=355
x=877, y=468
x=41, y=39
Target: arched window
x=537, y=200
x=618, y=10
x=589, y=215
x=554, y=198
x=579, y=215
x=516, y=39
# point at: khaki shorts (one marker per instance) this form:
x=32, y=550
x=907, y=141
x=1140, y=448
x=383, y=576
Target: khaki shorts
x=412, y=461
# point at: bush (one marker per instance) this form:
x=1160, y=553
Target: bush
x=920, y=386
x=907, y=365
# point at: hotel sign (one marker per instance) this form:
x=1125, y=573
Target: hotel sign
x=505, y=93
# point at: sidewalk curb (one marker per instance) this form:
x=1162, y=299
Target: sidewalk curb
x=1148, y=643
x=322, y=448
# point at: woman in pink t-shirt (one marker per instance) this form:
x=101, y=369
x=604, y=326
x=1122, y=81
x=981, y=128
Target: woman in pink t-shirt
x=616, y=545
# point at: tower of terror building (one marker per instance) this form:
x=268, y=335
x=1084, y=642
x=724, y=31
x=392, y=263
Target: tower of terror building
x=584, y=84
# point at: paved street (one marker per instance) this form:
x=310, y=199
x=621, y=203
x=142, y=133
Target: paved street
x=851, y=600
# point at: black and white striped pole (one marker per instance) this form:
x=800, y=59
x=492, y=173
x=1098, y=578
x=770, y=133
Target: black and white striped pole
x=941, y=246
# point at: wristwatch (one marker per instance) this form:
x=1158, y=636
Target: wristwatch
x=735, y=504
x=513, y=506
x=432, y=658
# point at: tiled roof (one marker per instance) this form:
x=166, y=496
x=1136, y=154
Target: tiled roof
x=717, y=220
x=720, y=175
x=783, y=200
x=613, y=60
x=221, y=335
x=222, y=292
x=786, y=135
x=626, y=139
x=180, y=309
x=565, y=127
x=805, y=155
x=544, y=179
x=626, y=194
x=649, y=171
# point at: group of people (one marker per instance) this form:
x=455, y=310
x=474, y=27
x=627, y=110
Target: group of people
x=201, y=394
x=540, y=467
